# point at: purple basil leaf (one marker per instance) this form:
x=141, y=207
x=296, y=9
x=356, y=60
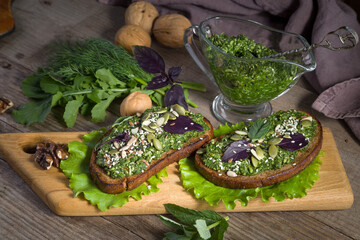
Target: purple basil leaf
x=122, y=137
x=236, y=151
x=149, y=59
x=158, y=82
x=181, y=125
x=294, y=143
x=175, y=95
x=174, y=72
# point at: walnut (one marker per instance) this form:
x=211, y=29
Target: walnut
x=50, y=154
x=5, y=104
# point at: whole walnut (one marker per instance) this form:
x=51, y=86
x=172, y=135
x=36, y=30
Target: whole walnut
x=132, y=35
x=169, y=30
x=142, y=14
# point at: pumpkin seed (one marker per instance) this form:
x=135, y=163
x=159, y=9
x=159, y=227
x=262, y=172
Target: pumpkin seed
x=161, y=111
x=231, y=173
x=201, y=151
x=306, y=123
x=116, y=145
x=274, y=141
x=145, y=117
x=253, y=152
x=179, y=109
x=148, y=129
x=259, y=153
x=160, y=121
x=150, y=137
x=146, y=122
x=287, y=135
x=235, y=137
x=166, y=117
x=157, y=144
x=273, y=151
x=113, y=151
x=172, y=116
x=254, y=161
x=307, y=118
x=241, y=132
x=153, y=125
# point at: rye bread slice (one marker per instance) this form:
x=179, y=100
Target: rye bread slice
x=117, y=185
x=268, y=177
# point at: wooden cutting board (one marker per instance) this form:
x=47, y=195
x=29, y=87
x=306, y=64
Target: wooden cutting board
x=332, y=191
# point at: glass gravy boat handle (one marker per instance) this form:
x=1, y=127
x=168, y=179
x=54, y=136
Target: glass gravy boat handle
x=192, y=45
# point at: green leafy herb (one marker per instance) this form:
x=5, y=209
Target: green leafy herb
x=194, y=224
x=76, y=168
x=84, y=76
x=259, y=129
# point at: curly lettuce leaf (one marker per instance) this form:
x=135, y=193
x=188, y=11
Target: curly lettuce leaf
x=294, y=187
x=76, y=168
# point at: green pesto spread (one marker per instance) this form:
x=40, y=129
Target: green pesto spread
x=120, y=161
x=248, y=79
x=281, y=124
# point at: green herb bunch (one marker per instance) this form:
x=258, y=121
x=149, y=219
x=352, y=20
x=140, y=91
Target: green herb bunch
x=194, y=224
x=83, y=76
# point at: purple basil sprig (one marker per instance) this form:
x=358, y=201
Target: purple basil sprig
x=122, y=137
x=236, y=151
x=295, y=142
x=181, y=125
x=152, y=62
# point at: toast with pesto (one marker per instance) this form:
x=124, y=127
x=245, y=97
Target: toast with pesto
x=262, y=153
x=138, y=147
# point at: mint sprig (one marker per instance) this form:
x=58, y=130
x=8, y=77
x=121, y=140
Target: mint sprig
x=194, y=224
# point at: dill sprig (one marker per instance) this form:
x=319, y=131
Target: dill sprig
x=69, y=59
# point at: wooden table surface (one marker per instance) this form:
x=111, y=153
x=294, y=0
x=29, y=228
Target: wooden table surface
x=23, y=214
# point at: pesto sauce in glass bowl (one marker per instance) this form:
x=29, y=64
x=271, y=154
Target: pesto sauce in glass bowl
x=142, y=152
x=281, y=123
x=248, y=79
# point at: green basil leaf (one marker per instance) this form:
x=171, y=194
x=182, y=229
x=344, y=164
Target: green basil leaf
x=201, y=227
x=259, y=129
x=33, y=111
x=71, y=111
x=106, y=76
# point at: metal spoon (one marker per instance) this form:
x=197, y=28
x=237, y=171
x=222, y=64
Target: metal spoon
x=345, y=38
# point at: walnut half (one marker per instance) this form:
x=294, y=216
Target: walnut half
x=50, y=154
x=5, y=104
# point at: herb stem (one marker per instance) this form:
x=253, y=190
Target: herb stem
x=216, y=223
x=193, y=86
x=72, y=93
x=145, y=84
x=191, y=103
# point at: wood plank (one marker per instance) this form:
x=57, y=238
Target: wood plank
x=331, y=191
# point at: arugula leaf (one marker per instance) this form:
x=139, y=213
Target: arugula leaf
x=33, y=111
x=106, y=76
x=259, y=129
x=55, y=98
x=31, y=87
x=71, y=111
x=49, y=85
x=98, y=113
x=97, y=95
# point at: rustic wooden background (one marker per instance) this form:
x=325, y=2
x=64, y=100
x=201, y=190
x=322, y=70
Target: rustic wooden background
x=23, y=214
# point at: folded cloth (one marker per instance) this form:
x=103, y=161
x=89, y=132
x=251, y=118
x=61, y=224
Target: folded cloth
x=311, y=19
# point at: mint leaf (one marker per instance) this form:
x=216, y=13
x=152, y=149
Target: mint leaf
x=259, y=129
x=176, y=236
x=189, y=216
x=31, y=112
x=72, y=110
x=220, y=230
x=106, y=76
x=170, y=223
x=201, y=227
x=31, y=87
